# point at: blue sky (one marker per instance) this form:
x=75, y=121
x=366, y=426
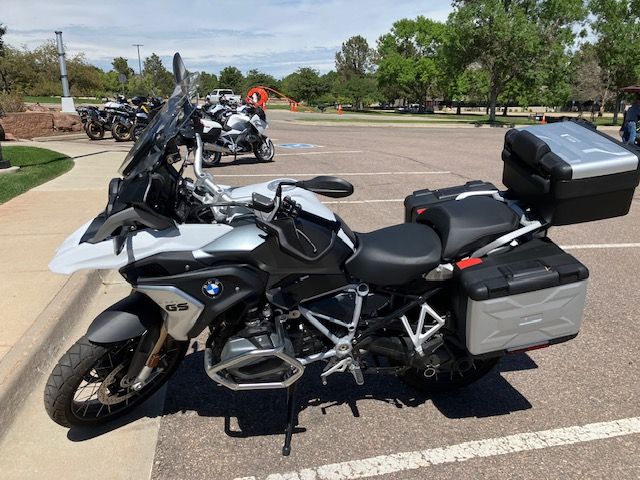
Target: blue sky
x=275, y=36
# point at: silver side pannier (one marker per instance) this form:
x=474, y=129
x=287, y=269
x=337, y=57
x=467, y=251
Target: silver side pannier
x=533, y=295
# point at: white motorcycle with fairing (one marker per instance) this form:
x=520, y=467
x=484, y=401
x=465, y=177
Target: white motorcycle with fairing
x=279, y=281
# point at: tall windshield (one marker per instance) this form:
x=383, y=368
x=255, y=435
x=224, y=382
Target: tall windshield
x=165, y=126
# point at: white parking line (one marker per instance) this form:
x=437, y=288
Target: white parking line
x=591, y=246
x=521, y=442
x=354, y=202
x=317, y=153
x=348, y=174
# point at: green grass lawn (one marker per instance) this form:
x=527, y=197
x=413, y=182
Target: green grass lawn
x=37, y=166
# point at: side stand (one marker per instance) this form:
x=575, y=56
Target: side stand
x=291, y=419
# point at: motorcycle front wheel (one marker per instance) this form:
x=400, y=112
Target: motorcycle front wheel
x=120, y=132
x=136, y=131
x=94, y=130
x=264, y=151
x=87, y=387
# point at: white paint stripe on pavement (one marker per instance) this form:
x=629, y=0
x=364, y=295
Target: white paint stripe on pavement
x=352, y=202
x=521, y=442
x=591, y=246
x=339, y=174
x=316, y=153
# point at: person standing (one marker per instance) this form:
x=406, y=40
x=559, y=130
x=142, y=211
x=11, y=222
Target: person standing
x=629, y=124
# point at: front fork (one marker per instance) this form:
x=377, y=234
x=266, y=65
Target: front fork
x=149, y=360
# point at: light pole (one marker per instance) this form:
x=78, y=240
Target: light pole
x=67, y=100
x=138, y=45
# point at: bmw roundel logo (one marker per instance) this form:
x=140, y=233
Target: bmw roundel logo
x=212, y=288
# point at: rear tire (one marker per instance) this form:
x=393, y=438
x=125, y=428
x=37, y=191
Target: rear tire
x=265, y=151
x=211, y=159
x=452, y=380
x=99, y=369
x=120, y=132
x=94, y=130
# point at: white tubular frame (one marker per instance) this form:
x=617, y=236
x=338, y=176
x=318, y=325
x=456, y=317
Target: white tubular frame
x=419, y=337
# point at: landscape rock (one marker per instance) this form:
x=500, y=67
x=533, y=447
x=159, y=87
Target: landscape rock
x=66, y=122
x=37, y=108
x=39, y=124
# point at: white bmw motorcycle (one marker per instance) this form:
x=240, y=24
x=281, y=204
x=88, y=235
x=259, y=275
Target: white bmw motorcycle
x=235, y=131
x=280, y=282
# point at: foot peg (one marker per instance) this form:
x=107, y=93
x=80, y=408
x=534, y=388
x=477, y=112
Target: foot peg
x=342, y=366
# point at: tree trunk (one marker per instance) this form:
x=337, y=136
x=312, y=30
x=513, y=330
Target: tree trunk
x=616, y=109
x=492, y=103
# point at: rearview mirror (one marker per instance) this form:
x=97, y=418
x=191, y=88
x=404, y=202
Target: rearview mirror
x=328, y=186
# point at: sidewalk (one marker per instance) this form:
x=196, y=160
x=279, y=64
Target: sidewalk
x=32, y=226
x=40, y=309
x=36, y=305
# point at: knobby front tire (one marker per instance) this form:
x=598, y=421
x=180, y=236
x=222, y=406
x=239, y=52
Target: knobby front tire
x=84, y=388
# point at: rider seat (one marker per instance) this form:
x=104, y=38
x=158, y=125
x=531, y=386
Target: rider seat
x=395, y=255
x=468, y=224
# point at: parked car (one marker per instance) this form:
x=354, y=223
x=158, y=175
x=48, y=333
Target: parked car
x=414, y=108
x=225, y=94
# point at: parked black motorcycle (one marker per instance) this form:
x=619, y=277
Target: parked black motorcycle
x=280, y=282
x=98, y=121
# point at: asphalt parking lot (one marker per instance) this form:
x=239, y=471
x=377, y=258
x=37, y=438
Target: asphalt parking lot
x=210, y=432
x=346, y=431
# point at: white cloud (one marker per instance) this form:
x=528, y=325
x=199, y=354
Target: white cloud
x=276, y=36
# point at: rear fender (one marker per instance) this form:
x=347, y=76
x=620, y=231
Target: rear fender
x=129, y=318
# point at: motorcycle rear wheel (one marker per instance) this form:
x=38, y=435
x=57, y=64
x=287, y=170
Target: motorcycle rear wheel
x=451, y=380
x=120, y=132
x=85, y=389
x=211, y=159
x=94, y=130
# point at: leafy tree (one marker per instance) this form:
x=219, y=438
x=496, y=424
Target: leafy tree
x=408, y=64
x=208, y=82
x=17, y=70
x=510, y=38
x=231, y=77
x=157, y=77
x=616, y=23
x=354, y=64
x=256, y=78
x=587, y=76
x=3, y=30
x=355, y=58
x=304, y=85
x=121, y=66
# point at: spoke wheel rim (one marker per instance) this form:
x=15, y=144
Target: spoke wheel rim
x=100, y=394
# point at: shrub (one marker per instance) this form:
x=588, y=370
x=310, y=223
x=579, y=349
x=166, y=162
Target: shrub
x=11, y=102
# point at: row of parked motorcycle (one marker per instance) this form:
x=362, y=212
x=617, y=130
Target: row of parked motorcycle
x=228, y=127
x=125, y=119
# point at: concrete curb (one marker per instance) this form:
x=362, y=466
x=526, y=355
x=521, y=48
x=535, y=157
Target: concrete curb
x=25, y=364
x=61, y=138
